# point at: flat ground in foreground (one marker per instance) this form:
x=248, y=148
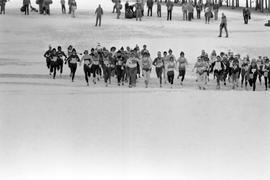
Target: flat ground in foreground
x=55, y=129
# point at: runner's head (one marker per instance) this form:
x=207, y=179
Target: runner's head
x=164, y=53
x=59, y=48
x=85, y=52
x=170, y=51
x=73, y=51
x=159, y=54
x=182, y=54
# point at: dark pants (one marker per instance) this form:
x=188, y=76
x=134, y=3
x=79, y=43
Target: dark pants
x=63, y=9
x=73, y=68
x=120, y=74
x=87, y=72
x=169, y=15
x=69, y=9
x=159, y=12
x=3, y=8
x=98, y=20
x=198, y=14
x=221, y=27
x=218, y=75
x=60, y=64
x=107, y=73
x=159, y=71
x=149, y=12
x=48, y=63
x=267, y=81
x=243, y=77
x=252, y=82
x=95, y=70
x=132, y=76
x=26, y=9
x=53, y=68
x=170, y=75
x=190, y=16
x=182, y=73
x=246, y=19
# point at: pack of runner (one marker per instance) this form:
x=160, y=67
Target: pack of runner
x=128, y=65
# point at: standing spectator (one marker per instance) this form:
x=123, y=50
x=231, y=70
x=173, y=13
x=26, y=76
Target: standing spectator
x=208, y=14
x=184, y=9
x=150, y=4
x=138, y=7
x=3, y=6
x=190, y=10
x=223, y=24
x=215, y=9
x=69, y=6
x=99, y=13
x=73, y=8
x=246, y=15
x=26, y=4
x=169, y=5
x=118, y=9
x=199, y=9
x=158, y=9
x=46, y=6
x=63, y=2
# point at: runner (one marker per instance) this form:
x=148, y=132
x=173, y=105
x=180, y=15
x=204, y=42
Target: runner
x=218, y=67
x=182, y=63
x=171, y=66
x=60, y=61
x=73, y=60
x=266, y=74
x=146, y=67
x=53, y=64
x=201, y=72
x=159, y=63
x=87, y=63
x=132, y=65
x=253, y=72
x=47, y=55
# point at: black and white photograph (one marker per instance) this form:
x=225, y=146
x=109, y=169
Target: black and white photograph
x=135, y=89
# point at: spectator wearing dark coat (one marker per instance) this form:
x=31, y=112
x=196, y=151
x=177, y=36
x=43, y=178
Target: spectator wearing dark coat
x=246, y=15
x=3, y=6
x=158, y=8
x=150, y=4
x=99, y=13
x=223, y=25
x=26, y=4
x=169, y=5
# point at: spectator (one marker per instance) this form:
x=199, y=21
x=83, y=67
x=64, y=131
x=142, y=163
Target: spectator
x=150, y=4
x=199, y=9
x=223, y=24
x=185, y=9
x=216, y=9
x=26, y=4
x=246, y=15
x=158, y=9
x=99, y=13
x=63, y=6
x=3, y=6
x=169, y=5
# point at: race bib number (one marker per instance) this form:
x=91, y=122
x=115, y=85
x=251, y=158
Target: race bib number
x=251, y=76
x=265, y=74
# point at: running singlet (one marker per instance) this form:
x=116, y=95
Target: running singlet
x=146, y=63
x=266, y=69
x=60, y=54
x=54, y=58
x=171, y=66
x=87, y=59
x=159, y=62
x=107, y=62
x=182, y=63
x=218, y=66
x=74, y=59
x=95, y=60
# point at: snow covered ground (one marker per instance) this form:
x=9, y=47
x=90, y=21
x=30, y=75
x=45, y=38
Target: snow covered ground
x=55, y=129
